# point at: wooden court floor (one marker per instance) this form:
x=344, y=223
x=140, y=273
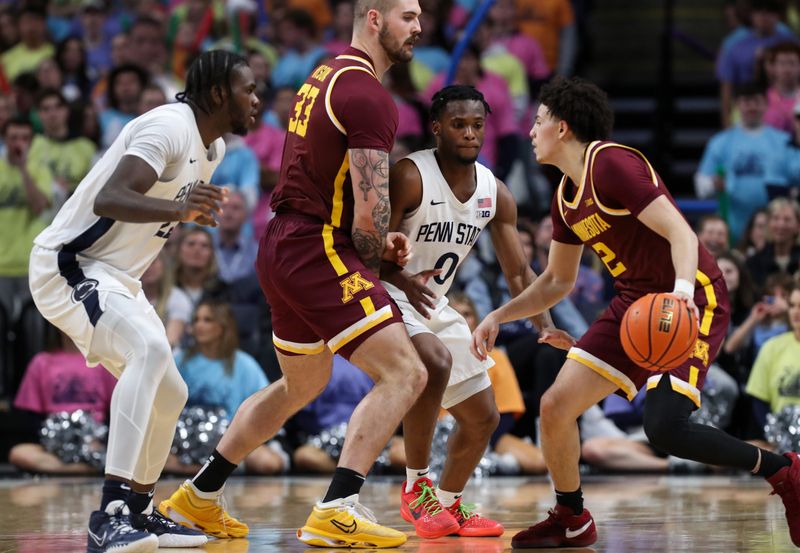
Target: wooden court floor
x=634, y=513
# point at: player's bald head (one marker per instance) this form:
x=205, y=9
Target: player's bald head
x=362, y=7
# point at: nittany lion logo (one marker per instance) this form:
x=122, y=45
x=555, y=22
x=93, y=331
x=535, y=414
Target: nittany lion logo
x=83, y=289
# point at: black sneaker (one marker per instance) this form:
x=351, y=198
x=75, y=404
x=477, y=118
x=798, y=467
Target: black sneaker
x=111, y=530
x=169, y=533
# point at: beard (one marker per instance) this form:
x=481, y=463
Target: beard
x=240, y=121
x=395, y=52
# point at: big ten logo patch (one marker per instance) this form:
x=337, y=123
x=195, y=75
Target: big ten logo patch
x=665, y=318
x=701, y=351
x=352, y=285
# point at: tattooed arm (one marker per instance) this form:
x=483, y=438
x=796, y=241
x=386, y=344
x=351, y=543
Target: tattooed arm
x=369, y=171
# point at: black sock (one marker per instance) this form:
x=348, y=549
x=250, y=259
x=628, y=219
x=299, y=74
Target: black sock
x=114, y=490
x=214, y=473
x=771, y=463
x=573, y=500
x=139, y=501
x=345, y=483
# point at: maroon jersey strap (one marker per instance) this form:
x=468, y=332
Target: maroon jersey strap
x=622, y=180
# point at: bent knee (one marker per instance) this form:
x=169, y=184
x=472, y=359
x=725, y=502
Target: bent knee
x=437, y=366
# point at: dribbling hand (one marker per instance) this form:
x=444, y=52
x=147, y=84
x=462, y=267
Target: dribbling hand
x=204, y=204
x=483, y=337
x=689, y=301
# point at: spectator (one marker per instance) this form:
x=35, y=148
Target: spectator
x=58, y=380
x=430, y=54
x=33, y=46
x=781, y=252
x=342, y=28
x=239, y=168
x=125, y=86
x=265, y=143
x=520, y=454
x=774, y=382
x=6, y=112
x=346, y=388
x=261, y=66
x=754, y=237
x=147, y=49
x=26, y=191
x=712, y=231
x=552, y=24
x=235, y=250
x=71, y=59
x=96, y=38
x=152, y=96
x=736, y=64
x=196, y=269
x=68, y=158
x=742, y=161
x=300, y=52
x=784, y=91
x=9, y=30
x=412, y=114
x=172, y=306
x=503, y=15
x=218, y=374
x=48, y=75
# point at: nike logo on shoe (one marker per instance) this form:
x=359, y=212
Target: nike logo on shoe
x=575, y=533
x=98, y=540
x=416, y=513
x=346, y=528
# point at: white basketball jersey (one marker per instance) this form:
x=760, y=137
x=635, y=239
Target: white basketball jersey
x=442, y=229
x=168, y=139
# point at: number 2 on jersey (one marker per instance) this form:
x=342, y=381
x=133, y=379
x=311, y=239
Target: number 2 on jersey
x=298, y=124
x=607, y=256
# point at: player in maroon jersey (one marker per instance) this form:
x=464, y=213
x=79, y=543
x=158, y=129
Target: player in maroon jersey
x=612, y=200
x=318, y=263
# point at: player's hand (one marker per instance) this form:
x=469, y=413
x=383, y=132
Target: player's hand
x=689, y=301
x=398, y=248
x=419, y=295
x=483, y=337
x=556, y=337
x=204, y=204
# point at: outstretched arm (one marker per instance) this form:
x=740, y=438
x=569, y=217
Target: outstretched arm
x=551, y=287
x=515, y=266
x=369, y=171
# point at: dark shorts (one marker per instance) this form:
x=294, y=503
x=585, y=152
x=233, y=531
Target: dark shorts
x=600, y=348
x=320, y=292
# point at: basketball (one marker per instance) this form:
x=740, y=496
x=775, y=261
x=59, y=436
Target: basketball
x=658, y=332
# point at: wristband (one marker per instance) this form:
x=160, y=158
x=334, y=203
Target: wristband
x=684, y=287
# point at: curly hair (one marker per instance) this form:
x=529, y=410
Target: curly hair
x=582, y=104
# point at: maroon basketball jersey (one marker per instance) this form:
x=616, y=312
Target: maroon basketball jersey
x=618, y=183
x=342, y=105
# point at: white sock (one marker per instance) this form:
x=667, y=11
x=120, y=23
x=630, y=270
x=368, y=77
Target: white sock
x=447, y=499
x=412, y=475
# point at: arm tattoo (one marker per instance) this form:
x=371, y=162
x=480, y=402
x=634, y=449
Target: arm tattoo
x=371, y=169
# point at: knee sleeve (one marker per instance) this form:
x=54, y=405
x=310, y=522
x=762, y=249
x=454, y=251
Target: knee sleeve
x=666, y=416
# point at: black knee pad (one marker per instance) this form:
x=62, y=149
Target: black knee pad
x=666, y=416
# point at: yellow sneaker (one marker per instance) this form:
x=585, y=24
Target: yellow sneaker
x=207, y=515
x=347, y=523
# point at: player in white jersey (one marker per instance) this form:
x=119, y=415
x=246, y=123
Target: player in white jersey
x=84, y=277
x=442, y=199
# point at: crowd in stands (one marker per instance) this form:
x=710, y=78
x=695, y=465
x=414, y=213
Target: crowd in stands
x=73, y=73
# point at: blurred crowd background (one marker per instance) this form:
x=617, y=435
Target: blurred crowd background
x=709, y=91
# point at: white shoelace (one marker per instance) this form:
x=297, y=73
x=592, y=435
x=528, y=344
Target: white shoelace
x=359, y=511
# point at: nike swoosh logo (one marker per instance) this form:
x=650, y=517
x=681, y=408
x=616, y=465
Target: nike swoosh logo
x=575, y=533
x=192, y=160
x=346, y=528
x=98, y=540
x=436, y=203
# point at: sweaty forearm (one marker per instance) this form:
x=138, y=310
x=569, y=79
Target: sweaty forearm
x=132, y=207
x=544, y=293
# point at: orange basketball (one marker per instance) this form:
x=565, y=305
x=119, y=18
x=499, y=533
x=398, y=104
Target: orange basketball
x=658, y=332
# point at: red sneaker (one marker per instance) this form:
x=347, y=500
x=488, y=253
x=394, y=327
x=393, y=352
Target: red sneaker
x=560, y=529
x=421, y=508
x=786, y=483
x=471, y=523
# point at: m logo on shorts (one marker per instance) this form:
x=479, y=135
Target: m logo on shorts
x=352, y=285
x=83, y=289
x=701, y=351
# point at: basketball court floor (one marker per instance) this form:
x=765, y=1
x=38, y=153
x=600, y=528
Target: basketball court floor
x=634, y=513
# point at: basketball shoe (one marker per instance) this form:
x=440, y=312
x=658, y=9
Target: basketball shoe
x=111, y=530
x=471, y=523
x=347, y=523
x=786, y=484
x=422, y=508
x=169, y=533
x=207, y=515
x=560, y=529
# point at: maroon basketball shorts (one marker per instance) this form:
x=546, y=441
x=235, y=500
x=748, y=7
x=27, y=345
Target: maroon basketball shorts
x=320, y=292
x=600, y=348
